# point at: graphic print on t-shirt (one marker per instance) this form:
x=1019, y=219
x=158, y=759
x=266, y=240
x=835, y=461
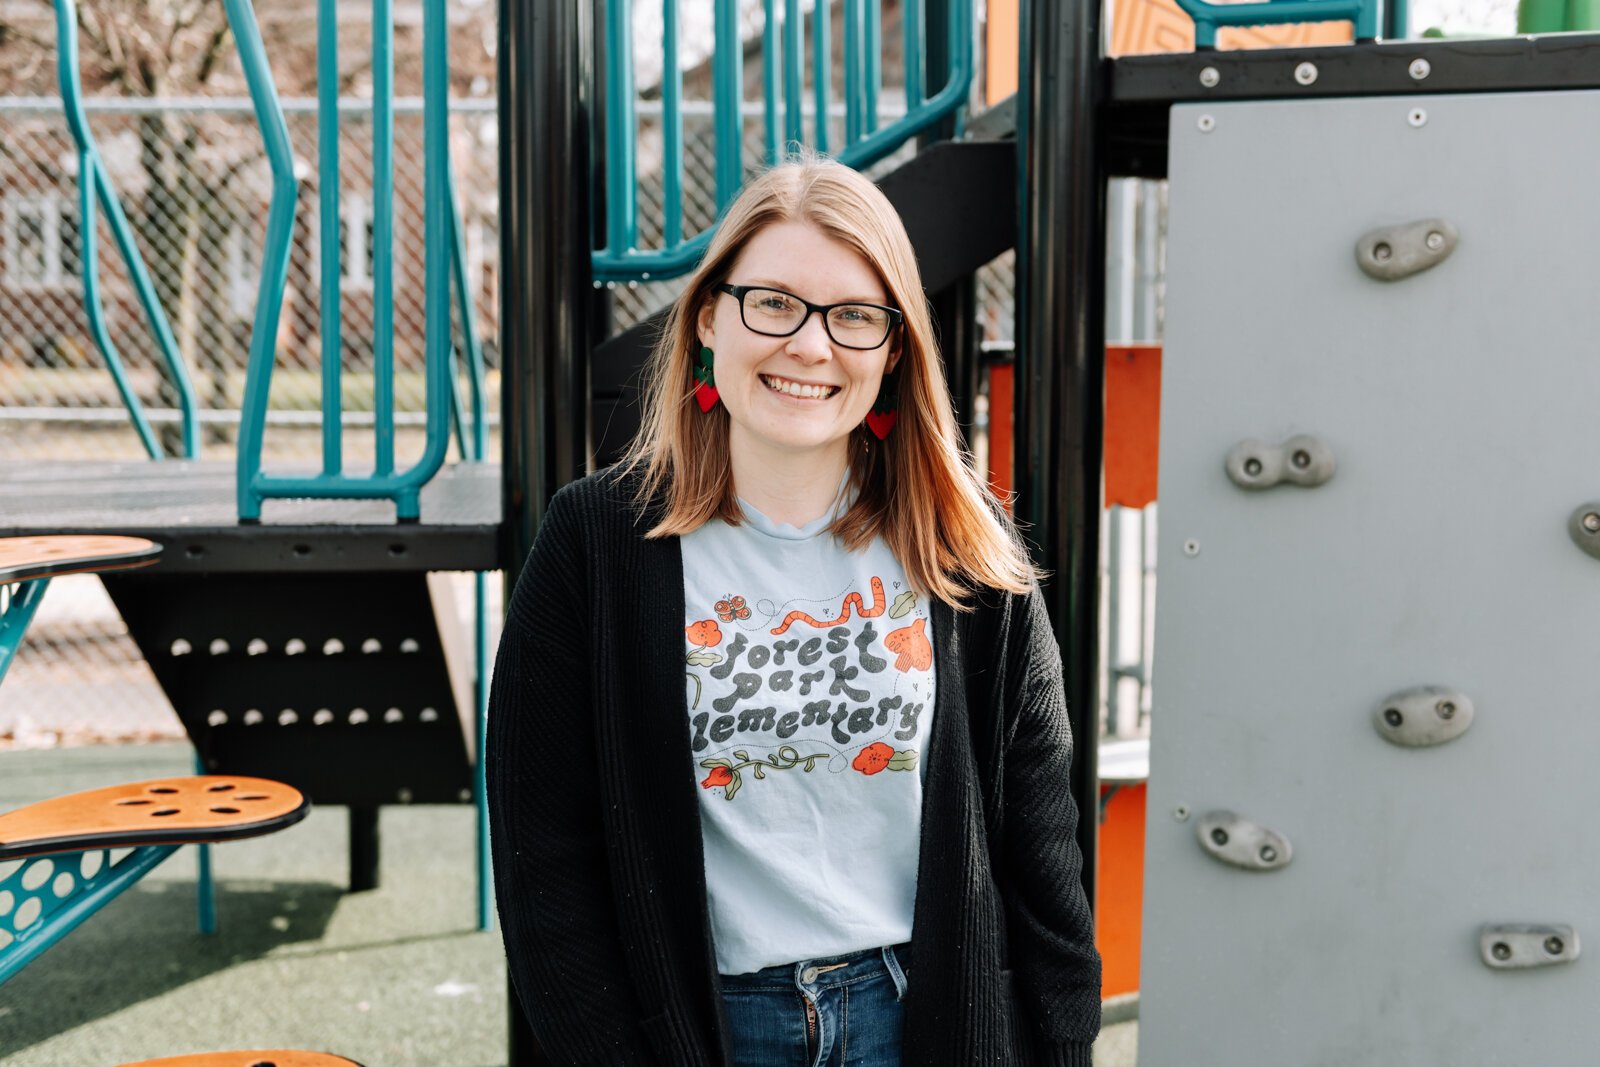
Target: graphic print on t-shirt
x=801, y=696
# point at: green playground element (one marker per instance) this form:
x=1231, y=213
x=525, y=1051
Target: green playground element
x=1557, y=16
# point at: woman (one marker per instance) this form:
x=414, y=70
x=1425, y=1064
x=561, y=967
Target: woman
x=778, y=748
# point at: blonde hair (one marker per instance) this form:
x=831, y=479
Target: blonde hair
x=917, y=489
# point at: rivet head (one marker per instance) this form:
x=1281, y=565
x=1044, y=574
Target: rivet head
x=1305, y=73
x=1252, y=467
x=1181, y=813
x=1420, y=68
x=1393, y=717
x=1191, y=547
x=1210, y=76
x=1501, y=951
x=1554, y=945
x=1417, y=117
x=1435, y=241
x=1446, y=709
x=1382, y=252
x=1591, y=522
x=1206, y=123
x=1219, y=837
x=808, y=975
x=1268, y=854
x=1301, y=458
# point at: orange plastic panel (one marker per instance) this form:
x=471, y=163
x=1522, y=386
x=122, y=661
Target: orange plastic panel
x=1133, y=423
x=1142, y=27
x=166, y=811
x=274, y=1057
x=1002, y=426
x=22, y=558
x=1119, y=887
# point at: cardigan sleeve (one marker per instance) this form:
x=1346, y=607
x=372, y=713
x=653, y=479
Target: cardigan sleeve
x=1055, y=963
x=552, y=883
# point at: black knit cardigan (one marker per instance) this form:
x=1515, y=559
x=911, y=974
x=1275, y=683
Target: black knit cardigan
x=599, y=869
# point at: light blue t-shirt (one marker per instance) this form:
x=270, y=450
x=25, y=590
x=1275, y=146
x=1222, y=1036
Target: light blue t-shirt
x=810, y=693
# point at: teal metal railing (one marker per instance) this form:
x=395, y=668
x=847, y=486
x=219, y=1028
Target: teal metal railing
x=868, y=137
x=1365, y=15
x=94, y=185
x=444, y=269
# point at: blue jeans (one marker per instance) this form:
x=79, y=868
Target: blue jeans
x=841, y=1011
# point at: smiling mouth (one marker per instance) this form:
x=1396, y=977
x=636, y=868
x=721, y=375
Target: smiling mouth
x=798, y=391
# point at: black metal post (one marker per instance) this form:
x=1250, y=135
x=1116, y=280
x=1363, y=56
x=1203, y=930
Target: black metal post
x=955, y=314
x=1060, y=335
x=546, y=80
x=363, y=848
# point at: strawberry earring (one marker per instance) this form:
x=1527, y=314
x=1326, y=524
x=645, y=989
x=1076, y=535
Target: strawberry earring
x=885, y=409
x=705, y=382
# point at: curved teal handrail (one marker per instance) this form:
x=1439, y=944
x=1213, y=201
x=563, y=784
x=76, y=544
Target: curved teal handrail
x=1364, y=14
x=866, y=141
x=403, y=487
x=93, y=184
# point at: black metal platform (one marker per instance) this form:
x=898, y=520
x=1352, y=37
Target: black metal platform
x=1140, y=90
x=189, y=507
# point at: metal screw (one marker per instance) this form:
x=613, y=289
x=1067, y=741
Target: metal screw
x=1446, y=709
x=1420, y=68
x=1191, y=547
x=1554, y=946
x=1501, y=951
x=1181, y=813
x=1381, y=252
x=1301, y=458
x=1417, y=117
x=1252, y=467
x=1219, y=836
x=1207, y=123
x=1268, y=854
x=1393, y=717
x=1591, y=522
x=1209, y=77
x=1305, y=73
x=1435, y=241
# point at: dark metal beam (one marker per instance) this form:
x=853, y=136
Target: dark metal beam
x=1143, y=88
x=1060, y=373
x=546, y=77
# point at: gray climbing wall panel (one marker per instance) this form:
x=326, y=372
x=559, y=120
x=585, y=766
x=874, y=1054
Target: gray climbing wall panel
x=1461, y=407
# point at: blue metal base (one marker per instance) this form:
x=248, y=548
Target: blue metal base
x=45, y=898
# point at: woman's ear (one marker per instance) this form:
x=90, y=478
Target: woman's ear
x=704, y=324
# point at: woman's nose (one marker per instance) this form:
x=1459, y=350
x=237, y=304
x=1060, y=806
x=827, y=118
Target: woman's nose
x=811, y=342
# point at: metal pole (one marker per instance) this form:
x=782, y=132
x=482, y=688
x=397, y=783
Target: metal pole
x=546, y=86
x=546, y=80
x=1061, y=353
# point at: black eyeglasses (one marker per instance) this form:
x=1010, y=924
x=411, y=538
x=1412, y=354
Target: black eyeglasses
x=775, y=313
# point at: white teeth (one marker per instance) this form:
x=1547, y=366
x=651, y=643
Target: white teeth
x=795, y=389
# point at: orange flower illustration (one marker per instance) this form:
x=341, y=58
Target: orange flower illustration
x=916, y=654
x=705, y=633
x=718, y=776
x=874, y=758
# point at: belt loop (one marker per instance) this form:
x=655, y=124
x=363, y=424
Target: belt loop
x=892, y=962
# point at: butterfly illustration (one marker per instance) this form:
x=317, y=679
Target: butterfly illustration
x=731, y=608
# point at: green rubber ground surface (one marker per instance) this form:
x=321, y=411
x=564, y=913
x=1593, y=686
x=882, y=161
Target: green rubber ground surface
x=395, y=977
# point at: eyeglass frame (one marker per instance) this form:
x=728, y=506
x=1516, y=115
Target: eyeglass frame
x=896, y=317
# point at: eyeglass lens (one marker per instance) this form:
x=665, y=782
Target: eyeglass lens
x=778, y=314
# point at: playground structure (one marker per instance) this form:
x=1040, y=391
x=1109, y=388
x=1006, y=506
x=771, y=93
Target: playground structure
x=342, y=580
